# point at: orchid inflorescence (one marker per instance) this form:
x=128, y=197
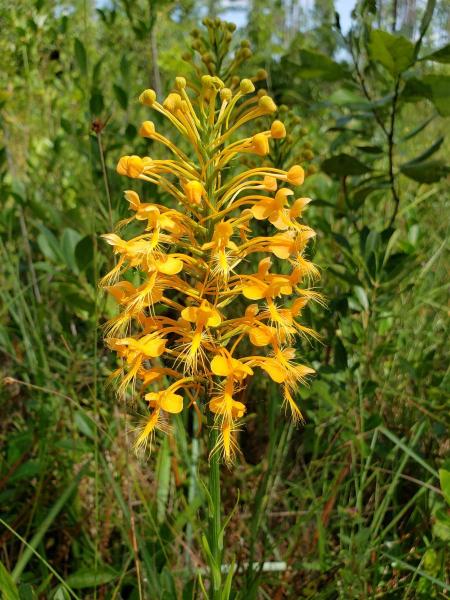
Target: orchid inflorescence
x=200, y=318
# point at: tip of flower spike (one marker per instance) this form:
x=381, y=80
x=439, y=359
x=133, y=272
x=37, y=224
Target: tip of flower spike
x=278, y=130
x=246, y=86
x=148, y=97
x=147, y=129
x=267, y=104
x=296, y=175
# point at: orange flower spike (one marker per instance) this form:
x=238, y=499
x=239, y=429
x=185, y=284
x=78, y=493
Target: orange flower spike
x=189, y=305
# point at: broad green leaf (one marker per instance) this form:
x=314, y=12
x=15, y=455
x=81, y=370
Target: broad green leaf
x=360, y=293
x=344, y=164
x=96, y=102
x=444, y=478
x=394, y=52
x=86, y=578
x=80, y=56
x=84, y=252
x=69, y=241
x=432, y=87
x=426, y=172
x=49, y=245
x=121, y=96
x=441, y=56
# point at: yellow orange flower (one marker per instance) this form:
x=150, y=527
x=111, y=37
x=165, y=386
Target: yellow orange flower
x=197, y=314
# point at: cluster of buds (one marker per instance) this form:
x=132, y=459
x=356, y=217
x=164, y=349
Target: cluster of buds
x=211, y=49
x=202, y=303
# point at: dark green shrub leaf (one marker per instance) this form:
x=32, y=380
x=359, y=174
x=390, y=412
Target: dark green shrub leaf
x=426, y=172
x=344, y=164
x=121, y=96
x=84, y=252
x=80, y=56
x=394, y=52
x=96, y=103
x=441, y=56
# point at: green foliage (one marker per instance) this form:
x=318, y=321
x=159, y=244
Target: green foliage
x=355, y=503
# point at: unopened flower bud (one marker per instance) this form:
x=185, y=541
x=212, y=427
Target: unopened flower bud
x=246, y=86
x=132, y=166
x=231, y=27
x=194, y=191
x=226, y=94
x=148, y=97
x=308, y=154
x=180, y=83
x=261, y=74
x=147, y=129
x=277, y=130
x=172, y=102
x=296, y=175
x=267, y=104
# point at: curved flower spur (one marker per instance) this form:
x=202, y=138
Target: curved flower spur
x=202, y=319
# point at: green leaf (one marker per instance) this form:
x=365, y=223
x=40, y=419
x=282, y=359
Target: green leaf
x=344, y=164
x=431, y=150
x=69, y=241
x=360, y=293
x=444, y=478
x=80, y=56
x=394, y=52
x=431, y=87
x=96, y=103
x=49, y=245
x=86, y=578
x=121, y=96
x=7, y=585
x=441, y=56
x=84, y=252
x=426, y=172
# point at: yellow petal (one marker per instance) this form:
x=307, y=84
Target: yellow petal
x=220, y=366
x=274, y=370
x=152, y=347
x=254, y=290
x=259, y=336
x=172, y=403
x=170, y=266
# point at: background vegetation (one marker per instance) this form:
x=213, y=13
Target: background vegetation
x=355, y=504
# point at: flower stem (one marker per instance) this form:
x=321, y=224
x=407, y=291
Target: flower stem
x=214, y=522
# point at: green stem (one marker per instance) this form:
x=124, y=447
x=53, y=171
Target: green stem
x=214, y=521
